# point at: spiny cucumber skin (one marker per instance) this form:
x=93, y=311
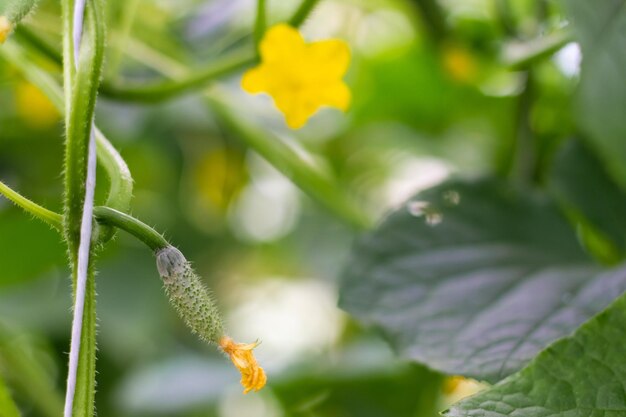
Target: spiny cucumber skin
x=190, y=297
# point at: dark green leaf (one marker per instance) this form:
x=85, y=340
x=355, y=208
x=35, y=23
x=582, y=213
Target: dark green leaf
x=475, y=279
x=600, y=27
x=581, y=182
x=581, y=375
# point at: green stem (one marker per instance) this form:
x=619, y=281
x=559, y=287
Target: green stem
x=81, y=89
x=283, y=158
x=259, y=23
x=302, y=12
x=107, y=216
x=79, y=120
x=53, y=219
x=140, y=230
x=120, y=179
x=167, y=89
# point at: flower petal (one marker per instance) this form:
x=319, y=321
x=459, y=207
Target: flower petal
x=329, y=59
x=281, y=43
x=300, y=77
x=252, y=375
x=336, y=95
x=296, y=107
x=255, y=80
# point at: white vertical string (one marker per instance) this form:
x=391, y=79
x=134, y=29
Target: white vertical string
x=85, y=234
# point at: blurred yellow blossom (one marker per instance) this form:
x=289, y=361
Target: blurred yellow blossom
x=300, y=76
x=252, y=375
x=459, y=63
x=34, y=107
x=5, y=28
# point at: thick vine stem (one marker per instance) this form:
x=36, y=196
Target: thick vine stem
x=81, y=88
x=84, y=87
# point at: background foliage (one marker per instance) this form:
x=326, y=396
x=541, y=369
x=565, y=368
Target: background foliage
x=519, y=242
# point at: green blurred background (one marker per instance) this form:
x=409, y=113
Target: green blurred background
x=433, y=97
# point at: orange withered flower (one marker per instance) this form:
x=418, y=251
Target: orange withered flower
x=252, y=375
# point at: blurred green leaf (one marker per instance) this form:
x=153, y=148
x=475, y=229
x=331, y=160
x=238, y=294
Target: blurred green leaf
x=405, y=391
x=600, y=28
x=7, y=406
x=475, y=279
x=581, y=181
x=581, y=375
x=28, y=248
x=21, y=361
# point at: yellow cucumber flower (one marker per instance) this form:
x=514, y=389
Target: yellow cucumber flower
x=5, y=28
x=252, y=375
x=300, y=76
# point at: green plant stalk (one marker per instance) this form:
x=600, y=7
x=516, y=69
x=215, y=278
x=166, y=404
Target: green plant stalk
x=121, y=182
x=79, y=123
x=69, y=69
x=143, y=232
x=260, y=23
x=53, y=219
x=164, y=90
x=151, y=93
x=81, y=88
x=302, y=12
x=292, y=166
x=104, y=215
x=8, y=408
